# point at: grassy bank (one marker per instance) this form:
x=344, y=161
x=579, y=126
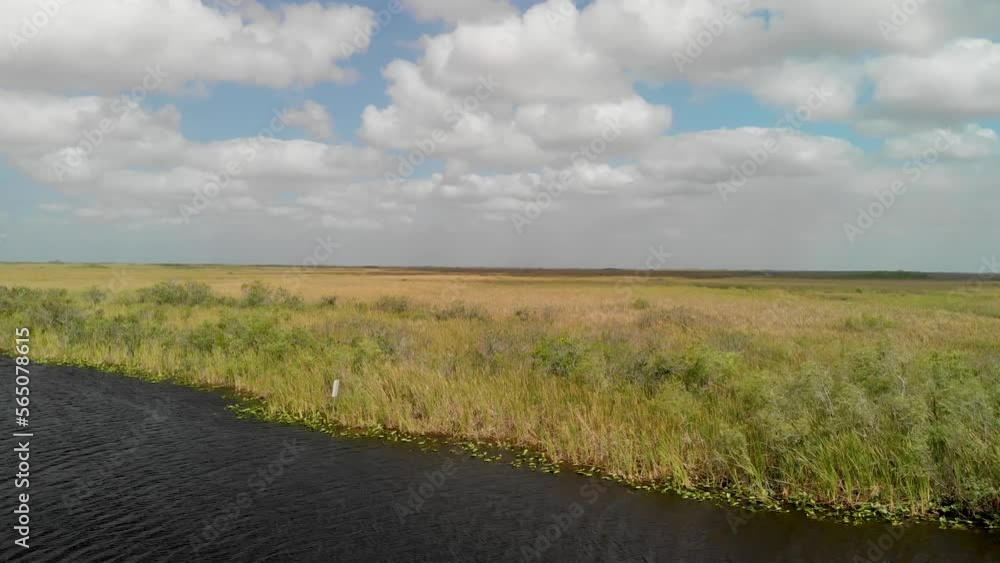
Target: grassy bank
x=848, y=393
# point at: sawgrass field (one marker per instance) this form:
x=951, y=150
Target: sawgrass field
x=874, y=393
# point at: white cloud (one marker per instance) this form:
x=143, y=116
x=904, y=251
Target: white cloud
x=974, y=142
x=960, y=80
x=509, y=94
x=504, y=105
x=107, y=46
x=533, y=60
x=792, y=83
x=698, y=163
x=313, y=117
x=459, y=10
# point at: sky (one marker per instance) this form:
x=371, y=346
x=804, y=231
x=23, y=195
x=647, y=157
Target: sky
x=718, y=134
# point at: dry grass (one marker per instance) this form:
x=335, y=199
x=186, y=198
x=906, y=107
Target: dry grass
x=845, y=391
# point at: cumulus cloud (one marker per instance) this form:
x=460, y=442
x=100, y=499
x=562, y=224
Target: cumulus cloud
x=459, y=10
x=972, y=143
x=553, y=113
x=709, y=157
x=962, y=79
x=108, y=46
x=313, y=117
x=139, y=160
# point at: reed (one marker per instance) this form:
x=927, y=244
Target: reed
x=845, y=392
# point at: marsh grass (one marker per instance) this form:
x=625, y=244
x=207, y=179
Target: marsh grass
x=878, y=400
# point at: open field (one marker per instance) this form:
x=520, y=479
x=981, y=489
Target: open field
x=849, y=392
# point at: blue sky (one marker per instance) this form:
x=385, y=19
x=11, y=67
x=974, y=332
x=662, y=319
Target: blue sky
x=564, y=73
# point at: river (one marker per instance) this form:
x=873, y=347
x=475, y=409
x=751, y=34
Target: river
x=126, y=470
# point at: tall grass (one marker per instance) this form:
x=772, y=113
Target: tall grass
x=896, y=404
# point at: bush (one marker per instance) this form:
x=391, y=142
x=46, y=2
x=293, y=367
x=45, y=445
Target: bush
x=372, y=349
x=459, y=311
x=121, y=331
x=258, y=333
x=173, y=293
x=13, y=298
x=701, y=366
x=650, y=370
x=52, y=308
x=260, y=294
x=395, y=304
x=95, y=295
x=558, y=356
x=640, y=304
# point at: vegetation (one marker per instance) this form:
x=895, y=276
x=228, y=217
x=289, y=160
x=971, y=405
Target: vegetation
x=880, y=396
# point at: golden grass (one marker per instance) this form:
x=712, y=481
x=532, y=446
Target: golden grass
x=843, y=391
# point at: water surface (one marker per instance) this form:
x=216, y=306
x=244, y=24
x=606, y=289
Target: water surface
x=125, y=470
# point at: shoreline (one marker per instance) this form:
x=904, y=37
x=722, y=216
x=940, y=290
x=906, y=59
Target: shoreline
x=850, y=404
x=247, y=406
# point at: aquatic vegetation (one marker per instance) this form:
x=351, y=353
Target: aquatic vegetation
x=882, y=406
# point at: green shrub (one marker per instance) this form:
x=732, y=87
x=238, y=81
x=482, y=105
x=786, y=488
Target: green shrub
x=54, y=309
x=650, y=369
x=95, y=295
x=14, y=298
x=121, y=331
x=558, y=356
x=238, y=334
x=701, y=366
x=260, y=294
x=173, y=293
x=395, y=304
x=372, y=350
x=876, y=370
x=639, y=304
x=207, y=337
x=459, y=311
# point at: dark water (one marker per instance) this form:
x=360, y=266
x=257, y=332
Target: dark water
x=123, y=470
